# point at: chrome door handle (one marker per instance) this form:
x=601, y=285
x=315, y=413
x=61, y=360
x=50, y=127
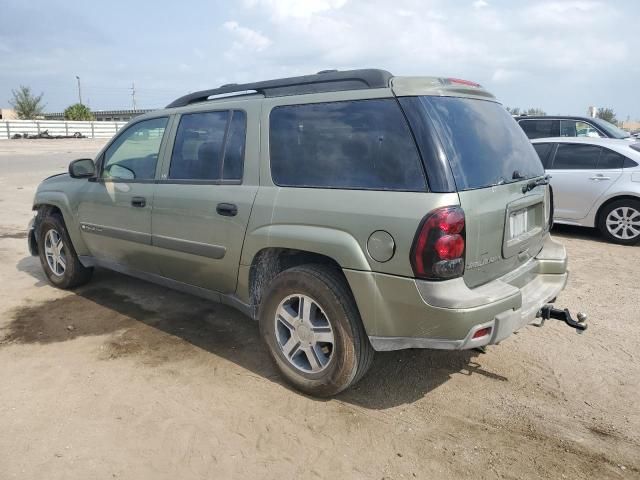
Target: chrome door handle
x=599, y=177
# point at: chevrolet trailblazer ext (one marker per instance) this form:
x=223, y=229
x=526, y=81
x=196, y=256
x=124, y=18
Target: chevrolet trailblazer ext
x=347, y=211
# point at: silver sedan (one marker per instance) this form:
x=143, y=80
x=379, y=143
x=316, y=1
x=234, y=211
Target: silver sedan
x=596, y=183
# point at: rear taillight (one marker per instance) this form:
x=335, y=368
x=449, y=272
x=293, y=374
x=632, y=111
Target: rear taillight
x=438, y=248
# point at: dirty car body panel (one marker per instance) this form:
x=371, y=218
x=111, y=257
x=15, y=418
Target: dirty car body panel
x=182, y=238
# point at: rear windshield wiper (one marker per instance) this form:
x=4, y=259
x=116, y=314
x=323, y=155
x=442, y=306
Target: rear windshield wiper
x=535, y=183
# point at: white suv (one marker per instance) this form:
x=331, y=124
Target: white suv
x=596, y=183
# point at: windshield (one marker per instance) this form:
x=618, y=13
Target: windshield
x=484, y=144
x=611, y=129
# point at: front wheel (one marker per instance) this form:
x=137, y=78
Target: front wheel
x=620, y=222
x=58, y=257
x=312, y=328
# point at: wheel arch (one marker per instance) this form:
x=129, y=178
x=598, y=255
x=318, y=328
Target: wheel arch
x=609, y=201
x=48, y=203
x=270, y=261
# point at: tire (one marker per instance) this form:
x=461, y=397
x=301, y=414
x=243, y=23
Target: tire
x=315, y=367
x=619, y=222
x=70, y=275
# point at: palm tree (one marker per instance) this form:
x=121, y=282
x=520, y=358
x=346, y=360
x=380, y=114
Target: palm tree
x=78, y=111
x=26, y=105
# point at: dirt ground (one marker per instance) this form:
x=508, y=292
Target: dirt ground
x=124, y=379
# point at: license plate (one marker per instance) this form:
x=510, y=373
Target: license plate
x=518, y=223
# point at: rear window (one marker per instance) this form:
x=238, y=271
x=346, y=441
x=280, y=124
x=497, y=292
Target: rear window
x=482, y=141
x=363, y=144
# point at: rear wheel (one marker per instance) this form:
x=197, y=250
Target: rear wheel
x=313, y=331
x=619, y=222
x=58, y=257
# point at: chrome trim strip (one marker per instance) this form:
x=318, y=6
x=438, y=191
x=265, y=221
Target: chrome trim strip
x=119, y=233
x=385, y=344
x=187, y=246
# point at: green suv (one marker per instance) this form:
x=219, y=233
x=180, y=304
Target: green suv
x=347, y=211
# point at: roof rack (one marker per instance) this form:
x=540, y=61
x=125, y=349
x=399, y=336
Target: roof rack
x=324, y=81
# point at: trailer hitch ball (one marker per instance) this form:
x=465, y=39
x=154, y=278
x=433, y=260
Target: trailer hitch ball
x=548, y=311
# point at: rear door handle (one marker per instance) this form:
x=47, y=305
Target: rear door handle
x=138, y=202
x=599, y=177
x=227, y=209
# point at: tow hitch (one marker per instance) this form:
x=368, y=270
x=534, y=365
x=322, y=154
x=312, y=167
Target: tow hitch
x=548, y=311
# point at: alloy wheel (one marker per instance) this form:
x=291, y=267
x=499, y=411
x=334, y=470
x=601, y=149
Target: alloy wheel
x=55, y=253
x=304, y=334
x=624, y=223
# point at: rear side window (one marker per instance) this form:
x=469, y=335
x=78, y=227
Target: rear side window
x=543, y=150
x=364, y=144
x=209, y=146
x=576, y=157
x=628, y=163
x=541, y=128
x=610, y=159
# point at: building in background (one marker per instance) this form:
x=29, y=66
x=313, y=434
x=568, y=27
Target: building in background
x=8, y=114
x=104, y=115
x=630, y=126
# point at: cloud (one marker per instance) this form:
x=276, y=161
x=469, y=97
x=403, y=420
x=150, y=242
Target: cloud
x=503, y=75
x=557, y=54
x=246, y=37
x=284, y=9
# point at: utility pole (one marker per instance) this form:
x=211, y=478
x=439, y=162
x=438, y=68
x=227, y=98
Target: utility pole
x=79, y=90
x=133, y=95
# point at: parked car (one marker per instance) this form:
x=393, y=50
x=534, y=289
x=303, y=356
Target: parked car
x=596, y=183
x=347, y=212
x=557, y=126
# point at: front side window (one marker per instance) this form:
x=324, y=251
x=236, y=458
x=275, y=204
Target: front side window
x=577, y=128
x=209, y=146
x=576, y=157
x=364, y=144
x=540, y=128
x=134, y=154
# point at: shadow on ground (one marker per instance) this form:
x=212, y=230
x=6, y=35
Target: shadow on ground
x=580, y=233
x=155, y=325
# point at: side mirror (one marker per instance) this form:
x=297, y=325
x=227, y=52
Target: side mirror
x=82, y=168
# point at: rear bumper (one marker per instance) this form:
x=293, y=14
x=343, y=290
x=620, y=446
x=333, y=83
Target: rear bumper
x=408, y=313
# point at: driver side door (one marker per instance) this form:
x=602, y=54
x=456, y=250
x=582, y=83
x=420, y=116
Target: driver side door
x=114, y=211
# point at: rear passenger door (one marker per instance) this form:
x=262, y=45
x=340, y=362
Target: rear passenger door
x=580, y=175
x=203, y=200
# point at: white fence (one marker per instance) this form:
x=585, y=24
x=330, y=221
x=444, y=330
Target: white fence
x=8, y=128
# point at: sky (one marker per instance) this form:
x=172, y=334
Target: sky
x=558, y=55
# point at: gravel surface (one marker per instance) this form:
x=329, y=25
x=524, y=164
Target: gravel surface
x=125, y=379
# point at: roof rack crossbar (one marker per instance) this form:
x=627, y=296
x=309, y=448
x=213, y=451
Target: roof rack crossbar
x=326, y=81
